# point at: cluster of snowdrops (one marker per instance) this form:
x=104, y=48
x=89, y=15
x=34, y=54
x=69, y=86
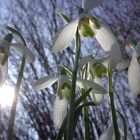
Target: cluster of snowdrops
x=75, y=93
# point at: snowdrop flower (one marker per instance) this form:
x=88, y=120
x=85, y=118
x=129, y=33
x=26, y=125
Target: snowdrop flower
x=109, y=134
x=4, y=52
x=85, y=23
x=63, y=93
x=95, y=72
x=22, y=50
x=134, y=71
x=47, y=81
x=109, y=43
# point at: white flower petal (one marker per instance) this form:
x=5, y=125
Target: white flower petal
x=3, y=73
x=134, y=76
x=122, y=65
x=105, y=38
x=65, y=36
x=23, y=51
x=59, y=111
x=96, y=98
x=86, y=60
x=108, y=134
x=90, y=4
x=115, y=59
x=90, y=84
x=45, y=82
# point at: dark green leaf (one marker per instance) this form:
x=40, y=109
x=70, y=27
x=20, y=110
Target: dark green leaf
x=17, y=33
x=82, y=97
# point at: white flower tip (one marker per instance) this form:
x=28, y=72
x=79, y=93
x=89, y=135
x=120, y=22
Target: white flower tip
x=96, y=98
x=87, y=5
x=59, y=111
x=45, y=82
x=122, y=65
x=54, y=50
x=108, y=134
x=3, y=73
x=36, y=86
x=134, y=76
x=23, y=51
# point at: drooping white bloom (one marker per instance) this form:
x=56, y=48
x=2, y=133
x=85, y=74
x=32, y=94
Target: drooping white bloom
x=90, y=4
x=95, y=72
x=134, y=76
x=59, y=110
x=105, y=38
x=134, y=69
x=23, y=51
x=115, y=59
x=109, y=43
x=63, y=93
x=84, y=21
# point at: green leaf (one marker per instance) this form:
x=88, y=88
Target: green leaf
x=67, y=69
x=84, y=71
x=17, y=33
x=64, y=17
x=82, y=97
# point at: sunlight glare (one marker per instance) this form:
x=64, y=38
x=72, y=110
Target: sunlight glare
x=6, y=95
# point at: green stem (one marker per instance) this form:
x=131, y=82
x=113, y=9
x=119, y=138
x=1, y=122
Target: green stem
x=86, y=121
x=85, y=110
x=111, y=96
x=70, y=131
x=14, y=105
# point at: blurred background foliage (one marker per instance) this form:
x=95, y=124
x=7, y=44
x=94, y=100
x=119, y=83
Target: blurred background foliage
x=38, y=21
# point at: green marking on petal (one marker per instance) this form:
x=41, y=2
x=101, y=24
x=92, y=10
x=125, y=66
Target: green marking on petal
x=95, y=23
x=86, y=30
x=64, y=89
x=99, y=69
x=133, y=44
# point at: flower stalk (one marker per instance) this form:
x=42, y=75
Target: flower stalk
x=70, y=124
x=86, y=123
x=14, y=105
x=85, y=111
x=113, y=111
